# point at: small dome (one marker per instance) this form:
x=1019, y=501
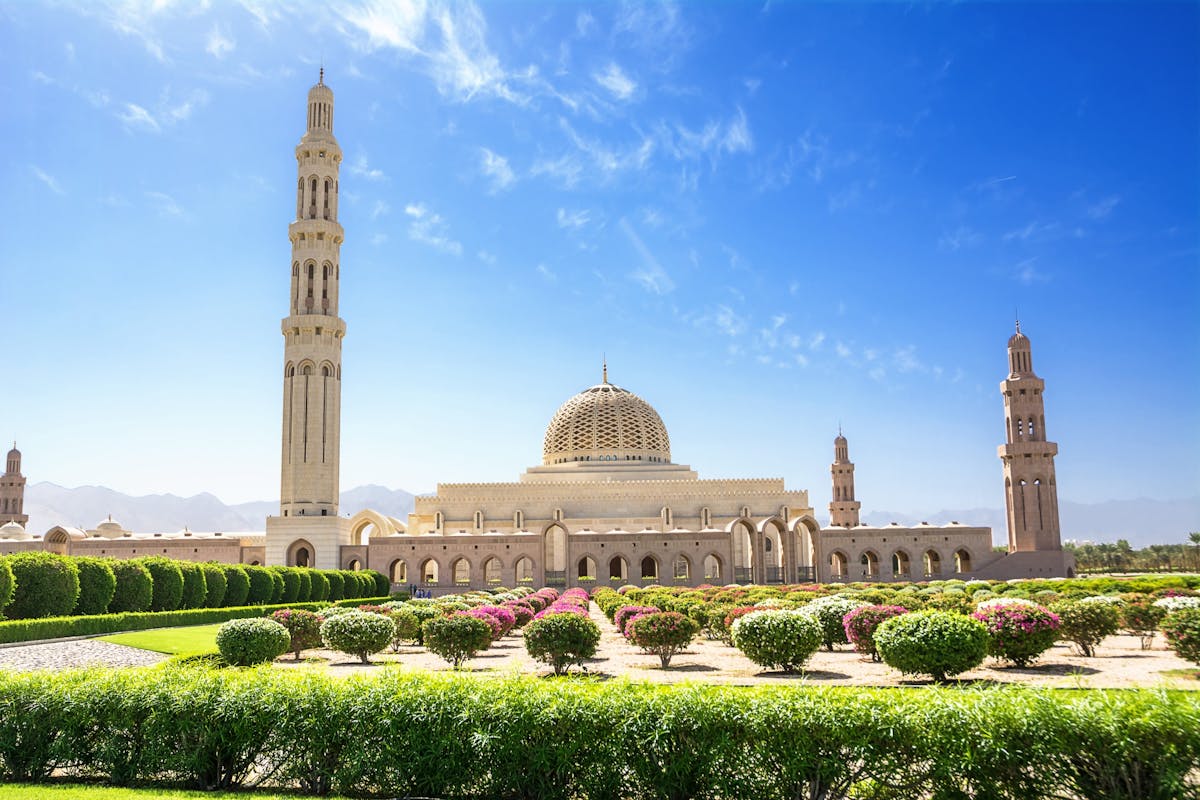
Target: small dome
x=110, y=528
x=1018, y=339
x=12, y=530
x=14, y=453
x=607, y=424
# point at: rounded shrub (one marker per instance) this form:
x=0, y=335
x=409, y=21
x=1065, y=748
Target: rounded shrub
x=562, y=640
x=336, y=583
x=214, y=584
x=358, y=633
x=494, y=625
x=135, y=587
x=320, y=585
x=195, y=586
x=262, y=586
x=237, y=585
x=6, y=584
x=934, y=643
x=1141, y=618
x=245, y=642
x=46, y=585
x=383, y=586
x=1086, y=623
x=168, y=582
x=351, y=590
x=664, y=634
x=860, y=625
x=625, y=613
x=304, y=628
x=97, y=584
x=1182, y=629
x=783, y=639
x=456, y=638
x=407, y=625
x=1018, y=632
x=423, y=614
x=829, y=613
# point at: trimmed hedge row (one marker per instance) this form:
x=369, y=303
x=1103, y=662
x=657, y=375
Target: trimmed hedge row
x=51, y=585
x=406, y=735
x=29, y=630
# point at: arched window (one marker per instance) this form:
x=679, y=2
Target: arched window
x=586, y=569
x=462, y=571
x=524, y=570
x=933, y=563
x=649, y=569
x=870, y=564
x=398, y=571
x=491, y=571
x=900, y=565
x=712, y=568
x=354, y=564
x=682, y=568
x=705, y=518
x=962, y=561
x=618, y=570
x=519, y=520
x=478, y=520
x=439, y=520
x=837, y=565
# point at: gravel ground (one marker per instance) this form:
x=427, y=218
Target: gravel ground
x=79, y=653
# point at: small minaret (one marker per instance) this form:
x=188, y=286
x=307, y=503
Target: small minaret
x=843, y=511
x=12, y=490
x=1030, y=490
x=313, y=332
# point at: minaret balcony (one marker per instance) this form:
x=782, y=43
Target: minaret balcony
x=310, y=228
x=1022, y=449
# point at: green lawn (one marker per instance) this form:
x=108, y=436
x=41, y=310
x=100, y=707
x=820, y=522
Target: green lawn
x=190, y=639
x=52, y=791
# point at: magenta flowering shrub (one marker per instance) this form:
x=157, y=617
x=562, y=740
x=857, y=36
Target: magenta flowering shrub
x=860, y=625
x=626, y=613
x=504, y=616
x=1018, y=633
x=304, y=628
x=664, y=634
x=522, y=611
x=561, y=607
x=496, y=627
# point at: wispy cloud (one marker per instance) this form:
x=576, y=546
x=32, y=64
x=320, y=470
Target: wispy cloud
x=429, y=228
x=957, y=239
x=651, y=276
x=567, y=169
x=134, y=116
x=486, y=257
x=713, y=139
x=380, y=209
x=1027, y=273
x=496, y=168
x=166, y=205
x=547, y=273
x=51, y=182
x=450, y=41
x=361, y=169
x=614, y=79
x=573, y=220
x=728, y=321
x=219, y=45
x=167, y=113
x=1035, y=230
x=1104, y=207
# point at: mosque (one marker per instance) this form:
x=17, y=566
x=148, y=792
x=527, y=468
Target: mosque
x=607, y=505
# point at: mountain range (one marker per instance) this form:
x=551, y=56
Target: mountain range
x=1142, y=522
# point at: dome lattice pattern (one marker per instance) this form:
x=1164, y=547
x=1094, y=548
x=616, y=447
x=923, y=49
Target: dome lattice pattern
x=606, y=423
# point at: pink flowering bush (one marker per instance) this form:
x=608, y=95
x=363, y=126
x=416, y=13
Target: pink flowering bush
x=522, y=611
x=494, y=625
x=504, y=616
x=626, y=613
x=1018, y=633
x=304, y=627
x=860, y=625
x=561, y=607
x=664, y=634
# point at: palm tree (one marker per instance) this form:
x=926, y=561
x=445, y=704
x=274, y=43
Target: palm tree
x=1194, y=538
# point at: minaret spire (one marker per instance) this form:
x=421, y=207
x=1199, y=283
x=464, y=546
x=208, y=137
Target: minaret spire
x=843, y=511
x=604, y=369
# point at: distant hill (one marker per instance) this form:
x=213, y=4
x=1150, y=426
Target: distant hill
x=49, y=504
x=1142, y=522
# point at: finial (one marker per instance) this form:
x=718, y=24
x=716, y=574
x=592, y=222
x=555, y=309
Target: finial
x=1018, y=317
x=604, y=362
x=321, y=76
x=839, y=427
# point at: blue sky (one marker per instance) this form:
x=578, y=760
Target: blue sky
x=770, y=218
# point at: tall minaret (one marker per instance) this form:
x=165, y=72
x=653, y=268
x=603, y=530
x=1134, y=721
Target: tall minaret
x=1030, y=490
x=843, y=511
x=312, y=370
x=12, y=490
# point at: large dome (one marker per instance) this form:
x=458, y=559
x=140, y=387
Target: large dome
x=606, y=423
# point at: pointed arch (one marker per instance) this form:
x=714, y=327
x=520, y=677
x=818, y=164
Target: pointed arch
x=301, y=553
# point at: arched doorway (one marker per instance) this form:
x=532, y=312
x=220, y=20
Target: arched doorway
x=681, y=569
x=461, y=569
x=933, y=563
x=398, y=571
x=773, y=553
x=301, y=554
x=429, y=571
x=491, y=571
x=524, y=570
x=962, y=561
x=900, y=564
x=555, y=555
x=838, y=566
x=870, y=564
x=743, y=551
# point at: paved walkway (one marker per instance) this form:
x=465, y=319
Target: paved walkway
x=79, y=653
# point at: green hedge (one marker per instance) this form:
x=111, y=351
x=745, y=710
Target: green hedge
x=57, y=627
x=407, y=735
